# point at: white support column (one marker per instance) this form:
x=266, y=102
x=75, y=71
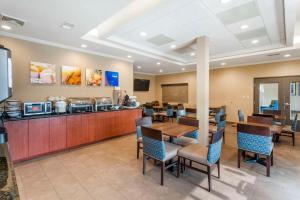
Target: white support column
x=203, y=88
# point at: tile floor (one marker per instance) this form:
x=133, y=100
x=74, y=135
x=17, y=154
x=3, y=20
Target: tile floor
x=109, y=170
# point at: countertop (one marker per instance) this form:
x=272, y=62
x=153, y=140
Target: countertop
x=60, y=114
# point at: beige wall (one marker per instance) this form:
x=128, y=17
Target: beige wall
x=232, y=87
x=148, y=96
x=23, y=52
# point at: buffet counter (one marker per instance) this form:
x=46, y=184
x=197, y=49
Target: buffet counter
x=30, y=137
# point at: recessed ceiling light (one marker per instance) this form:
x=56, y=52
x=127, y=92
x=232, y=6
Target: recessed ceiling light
x=5, y=27
x=223, y=63
x=287, y=55
x=173, y=46
x=245, y=26
x=139, y=67
x=143, y=34
x=67, y=26
x=160, y=70
x=129, y=56
x=225, y=1
x=158, y=63
x=255, y=41
x=84, y=46
x=183, y=69
x=192, y=54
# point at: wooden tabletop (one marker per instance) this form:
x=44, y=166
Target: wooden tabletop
x=275, y=129
x=194, y=116
x=174, y=129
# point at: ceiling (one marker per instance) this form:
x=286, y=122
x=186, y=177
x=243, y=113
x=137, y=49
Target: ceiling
x=146, y=32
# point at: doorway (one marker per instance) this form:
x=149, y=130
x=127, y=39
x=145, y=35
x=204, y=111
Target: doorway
x=278, y=95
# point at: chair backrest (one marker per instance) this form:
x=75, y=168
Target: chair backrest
x=241, y=115
x=180, y=106
x=153, y=144
x=155, y=103
x=220, y=116
x=165, y=104
x=149, y=111
x=190, y=122
x=222, y=122
x=170, y=110
x=254, y=138
x=215, y=148
x=143, y=121
x=223, y=109
x=180, y=113
x=260, y=120
x=274, y=104
x=294, y=123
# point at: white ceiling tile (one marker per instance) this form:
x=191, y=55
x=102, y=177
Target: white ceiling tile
x=253, y=23
x=262, y=42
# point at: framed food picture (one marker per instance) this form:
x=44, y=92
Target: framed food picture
x=42, y=73
x=70, y=75
x=93, y=77
x=111, y=79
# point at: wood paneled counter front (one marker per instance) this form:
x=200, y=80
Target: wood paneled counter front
x=32, y=137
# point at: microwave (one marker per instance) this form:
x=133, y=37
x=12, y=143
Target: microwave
x=37, y=108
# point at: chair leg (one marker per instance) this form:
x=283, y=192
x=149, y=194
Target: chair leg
x=181, y=164
x=224, y=137
x=178, y=166
x=293, y=138
x=268, y=165
x=162, y=169
x=239, y=158
x=272, y=158
x=144, y=163
x=138, y=150
x=209, y=177
x=218, y=164
x=190, y=163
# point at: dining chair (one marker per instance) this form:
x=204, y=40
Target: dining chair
x=156, y=148
x=143, y=121
x=290, y=130
x=220, y=124
x=170, y=112
x=241, y=116
x=190, y=138
x=180, y=113
x=256, y=139
x=205, y=156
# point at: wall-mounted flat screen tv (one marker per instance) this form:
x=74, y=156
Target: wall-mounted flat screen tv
x=141, y=85
x=5, y=74
x=111, y=79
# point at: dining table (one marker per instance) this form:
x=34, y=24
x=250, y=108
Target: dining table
x=173, y=130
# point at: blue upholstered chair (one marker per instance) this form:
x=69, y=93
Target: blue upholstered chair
x=241, y=116
x=273, y=106
x=169, y=112
x=190, y=138
x=220, y=124
x=156, y=148
x=291, y=130
x=206, y=156
x=180, y=113
x=256, y=139
x=143, y=121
